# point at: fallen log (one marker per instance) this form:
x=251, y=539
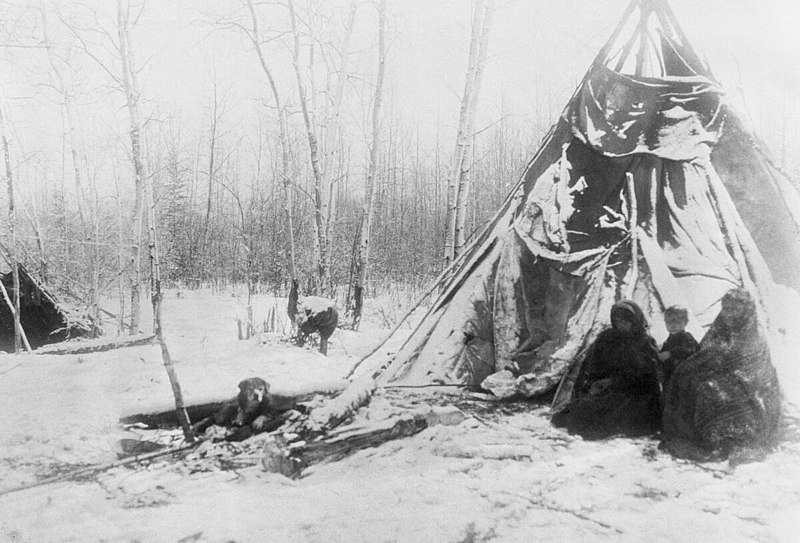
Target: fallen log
x=97, y=345
x=290, y=458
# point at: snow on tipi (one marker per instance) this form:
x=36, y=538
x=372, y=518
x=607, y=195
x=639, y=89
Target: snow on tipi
x=649, y=187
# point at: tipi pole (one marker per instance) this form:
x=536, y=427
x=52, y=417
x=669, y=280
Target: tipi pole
x=626, y=51
x=397, y=326
x=19, y=329
x=667, y=18
x=599, y=59
x=602, y=56
x=634, y=220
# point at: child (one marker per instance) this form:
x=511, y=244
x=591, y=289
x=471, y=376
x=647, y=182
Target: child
x=680, y=344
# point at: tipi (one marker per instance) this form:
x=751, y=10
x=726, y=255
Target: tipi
x=649, y=187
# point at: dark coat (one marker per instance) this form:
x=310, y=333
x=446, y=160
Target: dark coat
x=630, y=402
x=681, y=346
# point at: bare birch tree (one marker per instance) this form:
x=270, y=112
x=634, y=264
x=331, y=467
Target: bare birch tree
x=144, y=192
x=465, y=171
x=14, y=305
x=213, y=165
x=368, y=208
x=319, y=149
x=130, y=88
x=320, y=243
x=458, y=173
x=86, y=209
x=283, y=135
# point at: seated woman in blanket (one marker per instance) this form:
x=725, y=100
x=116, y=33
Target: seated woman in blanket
x=725, y=401
x=617, y=390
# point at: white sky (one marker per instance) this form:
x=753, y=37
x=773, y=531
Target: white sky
x=539, y=50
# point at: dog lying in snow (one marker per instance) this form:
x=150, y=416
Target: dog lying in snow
x=313, y=314
x=248, y=413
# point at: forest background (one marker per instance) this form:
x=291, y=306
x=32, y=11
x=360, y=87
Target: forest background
x=243, y=107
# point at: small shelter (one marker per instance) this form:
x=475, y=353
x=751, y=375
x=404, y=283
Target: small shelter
x=43, y=318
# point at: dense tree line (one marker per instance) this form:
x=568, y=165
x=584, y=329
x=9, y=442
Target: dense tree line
x=223, y=189
x=256, y=192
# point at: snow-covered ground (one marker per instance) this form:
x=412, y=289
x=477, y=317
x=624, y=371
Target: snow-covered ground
x=502, y=474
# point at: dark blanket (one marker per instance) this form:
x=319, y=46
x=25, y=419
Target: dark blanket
x=726, y=397
x=617, y=390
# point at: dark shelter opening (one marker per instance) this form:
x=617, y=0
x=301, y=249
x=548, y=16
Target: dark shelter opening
x=43, y=319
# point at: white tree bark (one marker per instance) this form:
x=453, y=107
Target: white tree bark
x=465, y=171
x=14, y=306
x=321, y=191
x=79, y=167
x=144, y=194
x=320, y=164
x=132, y=99
x=332, y=144
x=283, y=127
x=368, y=207
x=457, y=182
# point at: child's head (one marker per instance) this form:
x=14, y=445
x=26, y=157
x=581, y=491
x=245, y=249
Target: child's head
x=676, y=318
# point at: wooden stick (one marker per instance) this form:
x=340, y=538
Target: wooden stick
x=638, y=33
x=655, y=176
x=602, y=56
x=98, y=347
x=634, y=216
x=646, y=11
x=98, y=468
x=664, y=12
x=16, y=320
x=421, y=299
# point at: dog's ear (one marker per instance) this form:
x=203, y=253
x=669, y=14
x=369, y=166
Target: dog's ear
x=244, y=384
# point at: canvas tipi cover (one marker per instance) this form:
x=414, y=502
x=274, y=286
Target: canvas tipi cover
x=648, y=187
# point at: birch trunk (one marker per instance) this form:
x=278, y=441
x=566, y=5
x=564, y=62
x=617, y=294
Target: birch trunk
x=14, y=304
x=324, y=198
x=368, y=208
x=462, y=135
x=332, y=141
x=132, y=98
x=79, y=169
x=465, y=170
x=144, y=192
x=156, y=298
x=70, y=113
x=320, y=185
x=120, y=259
x=283, y=127
x=211, y=168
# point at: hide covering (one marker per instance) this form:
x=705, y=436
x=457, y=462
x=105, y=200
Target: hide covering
x=648, y=187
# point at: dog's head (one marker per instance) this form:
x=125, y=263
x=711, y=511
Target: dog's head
x=253, y=395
